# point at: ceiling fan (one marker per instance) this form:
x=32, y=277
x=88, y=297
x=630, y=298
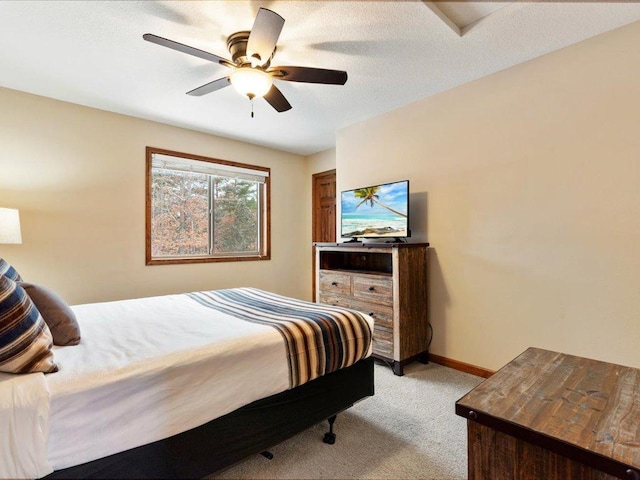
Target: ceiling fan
x=251, y=54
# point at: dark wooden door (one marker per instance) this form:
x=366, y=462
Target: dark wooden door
x=323, y=215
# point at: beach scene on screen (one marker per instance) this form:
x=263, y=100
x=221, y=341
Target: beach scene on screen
x=380, y=211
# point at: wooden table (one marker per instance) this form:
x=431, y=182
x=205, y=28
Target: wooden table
x=547, y=415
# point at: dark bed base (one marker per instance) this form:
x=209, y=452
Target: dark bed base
x=246, y=431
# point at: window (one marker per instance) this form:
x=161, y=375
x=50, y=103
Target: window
x=205, y=210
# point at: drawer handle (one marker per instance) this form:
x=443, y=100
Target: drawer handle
x=371, y=289
x=335, y=284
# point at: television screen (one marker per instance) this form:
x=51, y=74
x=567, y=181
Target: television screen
x=378, y=211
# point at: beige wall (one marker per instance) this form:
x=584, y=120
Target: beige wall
x=77, y=176
x=321, y=162
x=527, y=185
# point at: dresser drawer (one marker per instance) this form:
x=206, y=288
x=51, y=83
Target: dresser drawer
x=330, y=298
x=375, y=288
x=381, y=314
x=383, y=341
x=334, y=283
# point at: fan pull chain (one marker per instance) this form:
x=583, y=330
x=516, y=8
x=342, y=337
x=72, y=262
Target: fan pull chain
x=251, y=107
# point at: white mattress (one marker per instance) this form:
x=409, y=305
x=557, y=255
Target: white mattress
x=150, y=368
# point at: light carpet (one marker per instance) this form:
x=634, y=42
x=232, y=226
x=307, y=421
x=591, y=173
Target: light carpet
x=407, y=430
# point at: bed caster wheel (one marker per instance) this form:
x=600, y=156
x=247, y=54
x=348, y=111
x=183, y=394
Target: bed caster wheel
x=329, y=438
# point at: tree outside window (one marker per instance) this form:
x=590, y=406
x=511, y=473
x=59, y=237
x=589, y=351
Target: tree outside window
x=204, y=210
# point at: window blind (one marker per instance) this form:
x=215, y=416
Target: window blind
x=179, y=164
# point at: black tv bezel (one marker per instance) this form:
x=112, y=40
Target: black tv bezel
x=378, y=236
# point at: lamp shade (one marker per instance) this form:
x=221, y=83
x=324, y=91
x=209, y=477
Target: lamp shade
x=10, y=226
x=251, y=81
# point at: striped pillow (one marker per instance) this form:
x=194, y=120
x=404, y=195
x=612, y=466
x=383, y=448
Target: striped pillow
x=8, y=271
x=25, y=340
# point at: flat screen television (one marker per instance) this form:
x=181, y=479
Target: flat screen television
x=379, y=211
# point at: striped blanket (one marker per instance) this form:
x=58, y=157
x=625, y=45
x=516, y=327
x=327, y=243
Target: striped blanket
x=319, y=338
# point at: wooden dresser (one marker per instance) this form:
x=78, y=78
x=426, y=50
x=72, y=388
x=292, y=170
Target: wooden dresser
x=386, y=281
x=552, y=416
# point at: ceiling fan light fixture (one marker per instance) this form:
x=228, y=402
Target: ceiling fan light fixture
x=251, y=82
x=251, y=52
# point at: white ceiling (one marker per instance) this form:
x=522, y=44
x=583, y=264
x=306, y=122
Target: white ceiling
x=395, y=52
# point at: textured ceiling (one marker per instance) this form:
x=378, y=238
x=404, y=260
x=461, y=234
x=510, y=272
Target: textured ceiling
x=395, y=52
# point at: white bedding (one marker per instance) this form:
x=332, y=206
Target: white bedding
x=145, y=369
x=24, y=415
x=150, y=368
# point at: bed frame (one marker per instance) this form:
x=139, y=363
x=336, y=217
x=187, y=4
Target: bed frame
x=249, y=430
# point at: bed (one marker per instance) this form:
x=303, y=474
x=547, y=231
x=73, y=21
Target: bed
x=179, y=386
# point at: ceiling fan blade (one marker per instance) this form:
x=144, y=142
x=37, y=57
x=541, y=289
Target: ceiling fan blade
x=264, y=36
x=164, y=42
x=210, y=87
x=309, y=75
x=275, y=98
